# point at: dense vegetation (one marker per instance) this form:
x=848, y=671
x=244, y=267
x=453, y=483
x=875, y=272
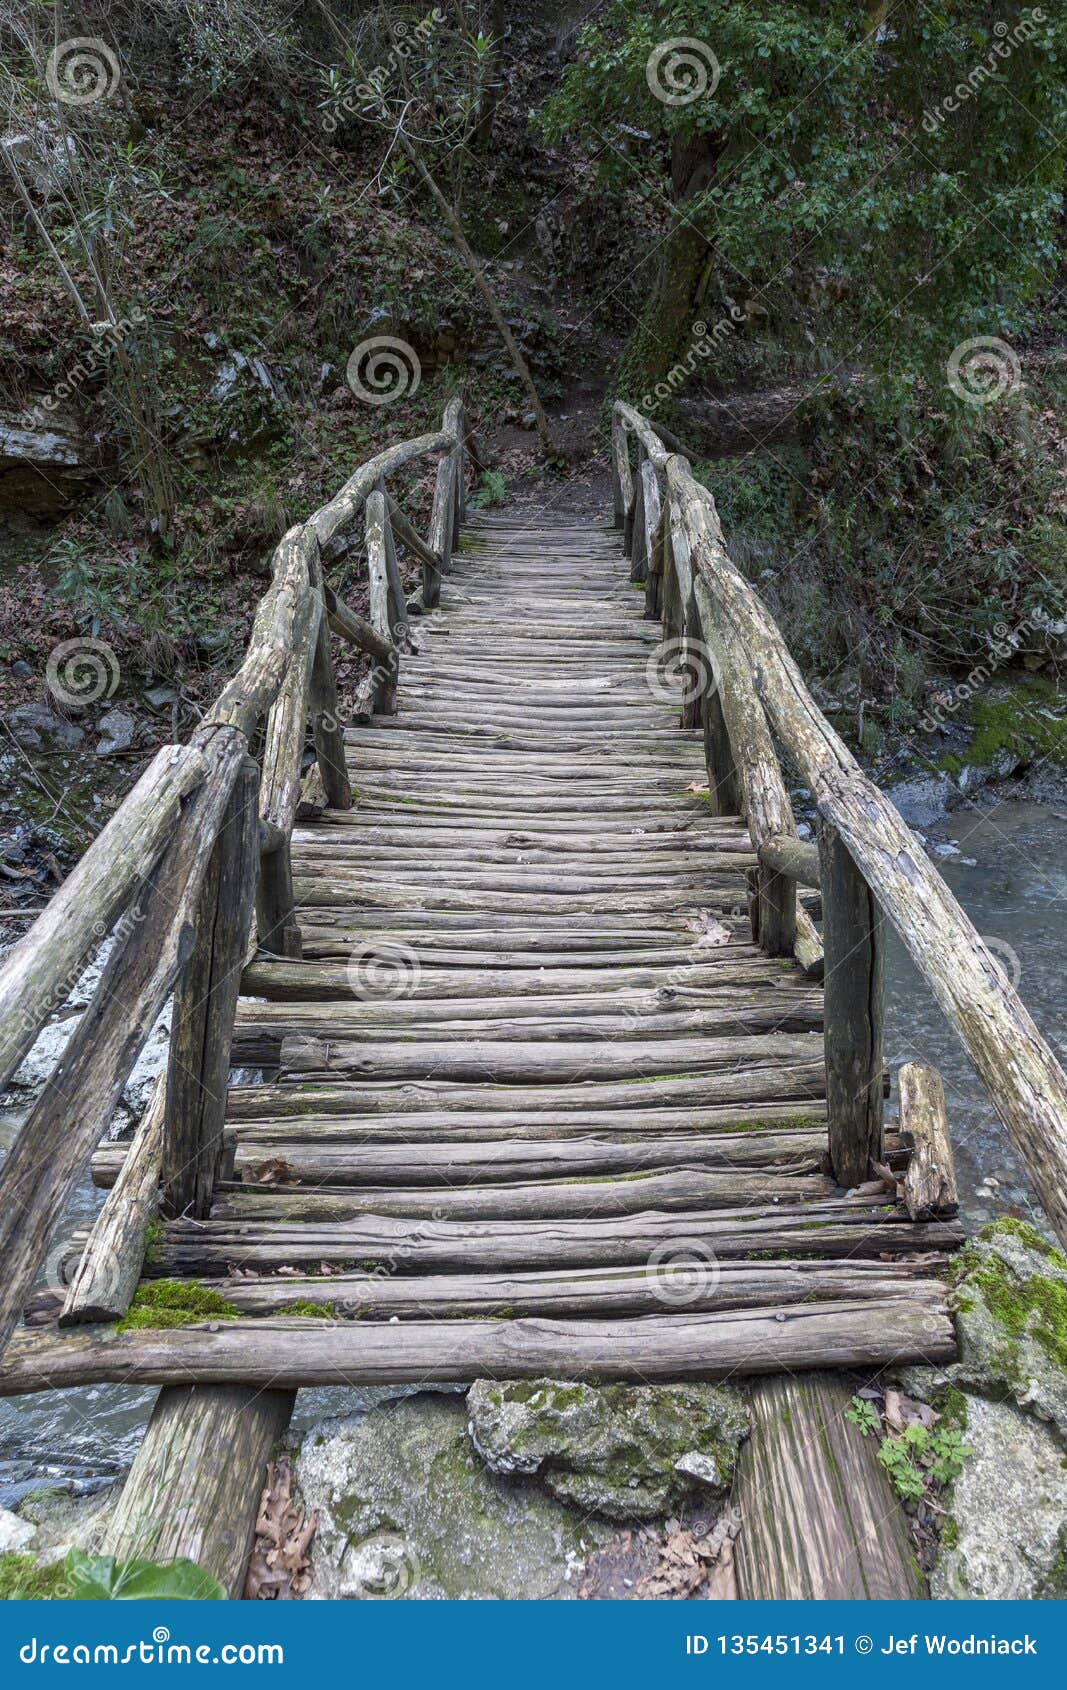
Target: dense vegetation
x=790, y=221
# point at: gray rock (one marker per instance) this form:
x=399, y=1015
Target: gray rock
x=16, y=1536
x=1010, y=1306
x=62, y=1522
x=161, y=698
x=1007, y=1534
x=117, y=729
x=922, y=800
x=37, y=728
x=406, y=1509
x=627, y=1452
x=21, y=669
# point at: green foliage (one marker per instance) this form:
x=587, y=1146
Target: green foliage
x=863, y=1415
x=822, y=165
x=22, y=1580
x=100, y=1578
x=917, y=1456
x=491, y=490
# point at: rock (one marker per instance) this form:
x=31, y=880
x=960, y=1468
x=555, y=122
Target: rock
x=35, y=727
x=627, y=1452
x=16, y=1536
x=160, y=698
x=1011, y=1323
x=118, y=730
x=1006, y=1537
x=922, y=800
x=21, y=669
x=407, y=1509
x=43, y=455
x=973, y=776
x=61, y=1522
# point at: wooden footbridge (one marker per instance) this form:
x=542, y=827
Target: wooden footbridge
x=566, y=1049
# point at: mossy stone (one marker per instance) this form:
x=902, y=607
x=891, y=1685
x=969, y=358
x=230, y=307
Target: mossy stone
x=626, y=1452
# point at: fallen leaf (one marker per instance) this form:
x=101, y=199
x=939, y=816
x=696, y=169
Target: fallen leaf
x=279, y=1569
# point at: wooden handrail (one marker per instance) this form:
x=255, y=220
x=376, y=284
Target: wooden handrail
x=171, y=878
x=868, y=857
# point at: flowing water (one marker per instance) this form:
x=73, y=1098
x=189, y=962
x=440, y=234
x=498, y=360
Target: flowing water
x=1011, y=877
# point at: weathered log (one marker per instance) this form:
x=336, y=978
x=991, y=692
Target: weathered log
x=204, y=1005
x=193, y=1490
x=275, y=633
x=820, y=1521
x=621, y=478
x=442, y=517
x=409, y=537
x=591, y=1293
x=280, y=785
x=808, y=948
x=326, y=727
x=788, y=855
x=930, y=1180
x=853, y=986
x=342, y=508
x=110, y=1266
x=41, y=971
x=1025, y=1081
x=73, y=1110
x=292, y=1352
x=386, y=673
x=765, y=801
x=355, y=628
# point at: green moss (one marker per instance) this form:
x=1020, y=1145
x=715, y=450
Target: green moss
x=22, y=1580
x=950, y=1534
x=1036, y=1307
x=312, y=1311
x=154, y=1238
x=1008, y=1226
x=165, y=1303
x=1027, y=722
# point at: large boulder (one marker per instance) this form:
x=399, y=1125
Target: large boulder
x=626, y=1452
x=1006, y=1535
x=1011, y=1323
x=406, y=1509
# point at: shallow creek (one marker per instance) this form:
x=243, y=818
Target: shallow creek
x=1011, y=877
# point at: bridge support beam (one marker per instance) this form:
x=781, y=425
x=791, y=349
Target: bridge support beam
x=853, y=946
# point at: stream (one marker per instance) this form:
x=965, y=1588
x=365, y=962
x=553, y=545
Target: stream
x=1009, y=875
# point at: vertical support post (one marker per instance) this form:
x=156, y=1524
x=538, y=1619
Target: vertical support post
x=385, y=674
x=325, y=716
x=205, y=1003
x=853, y=944
x=459, y=480
x=777, y=911
x=659, y=564
x=635, y=532
x=440, y=537
x=622, y=488
x=724, y=788
x=277, y=931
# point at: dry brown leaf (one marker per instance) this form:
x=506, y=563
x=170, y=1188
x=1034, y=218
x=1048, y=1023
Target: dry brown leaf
x=279, y=1569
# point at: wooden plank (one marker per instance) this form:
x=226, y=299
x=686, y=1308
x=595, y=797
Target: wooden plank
x=110, y=1267
x=193, y=1490
x=293, y=1352
x=204, y=1004
x=853, y=985
x=930, y=1180
x=820, y=1520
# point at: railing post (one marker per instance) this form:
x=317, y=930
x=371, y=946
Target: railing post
x=386, y=673
x=622, y=487
x=325, y=719
x=635, y=529
x=205, y=1003
x=853, y=945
